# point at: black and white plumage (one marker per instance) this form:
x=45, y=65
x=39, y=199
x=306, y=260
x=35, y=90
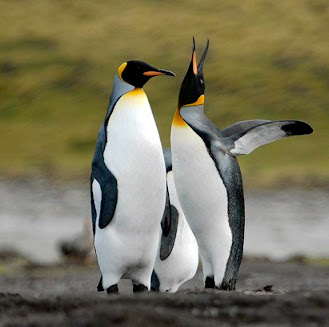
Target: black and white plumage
x=128, y=182
x=208, y=178
x=178, y=258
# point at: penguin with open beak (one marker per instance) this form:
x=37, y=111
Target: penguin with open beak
x=207, y=175
x=128, y=182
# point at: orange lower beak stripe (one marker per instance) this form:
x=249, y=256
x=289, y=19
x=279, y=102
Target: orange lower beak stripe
x=195, y=67
x=152, y=73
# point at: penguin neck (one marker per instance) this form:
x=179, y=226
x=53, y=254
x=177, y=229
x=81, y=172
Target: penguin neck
x=195, y=118
x=196, y=108
x=119, y=89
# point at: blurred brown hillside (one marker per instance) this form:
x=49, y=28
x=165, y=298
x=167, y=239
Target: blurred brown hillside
x=267, y=59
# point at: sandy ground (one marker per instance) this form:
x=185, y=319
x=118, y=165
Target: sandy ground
x=66, y=296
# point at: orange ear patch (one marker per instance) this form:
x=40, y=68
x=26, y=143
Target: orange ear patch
x=121, y=69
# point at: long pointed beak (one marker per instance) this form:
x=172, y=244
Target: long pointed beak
x=203, y=58
x=193, y=61
x=158, y=72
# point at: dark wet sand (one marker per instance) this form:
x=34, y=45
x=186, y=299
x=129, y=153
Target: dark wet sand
x=66, y=296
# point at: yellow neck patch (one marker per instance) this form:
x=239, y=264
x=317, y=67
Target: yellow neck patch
x=135, y=92
x=121, y=69
x=178, y=120
x=197, y=102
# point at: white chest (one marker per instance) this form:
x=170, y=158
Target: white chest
x=133, y=154
x=132, y=135
x=200, y=189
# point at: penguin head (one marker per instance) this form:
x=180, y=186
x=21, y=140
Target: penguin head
x=193, y=85
x=137, y=73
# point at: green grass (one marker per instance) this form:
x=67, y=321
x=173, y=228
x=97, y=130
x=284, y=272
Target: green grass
x=267, y=59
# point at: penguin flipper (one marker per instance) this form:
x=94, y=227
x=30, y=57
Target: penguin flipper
x=166, y=219
x=93, y=207
x=169, y=225
x=109, y=195
x=242, y=126
x=254, y=137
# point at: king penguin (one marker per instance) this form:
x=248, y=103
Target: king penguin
x=178, y=256
x=128, y=182
x=208, y=178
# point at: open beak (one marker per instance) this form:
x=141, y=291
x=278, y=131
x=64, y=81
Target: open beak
x=197, y=69
x=203, y=58
x=158, y=72
x=194, y=65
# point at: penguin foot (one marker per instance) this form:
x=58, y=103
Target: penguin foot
x=210, y=283
x=139, y=288
x=113, y=289
x=100, y=285
x=228, y=286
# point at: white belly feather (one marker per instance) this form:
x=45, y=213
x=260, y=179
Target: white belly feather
x=133, y=154
x=203, y=198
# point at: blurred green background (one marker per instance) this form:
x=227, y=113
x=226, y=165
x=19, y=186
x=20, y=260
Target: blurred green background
x=267, y=59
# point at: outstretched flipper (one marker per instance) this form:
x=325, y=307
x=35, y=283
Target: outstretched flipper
x=242, y=126
x=252, y=138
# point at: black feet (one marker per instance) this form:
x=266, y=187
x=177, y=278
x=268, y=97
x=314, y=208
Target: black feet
x=113, y=289
x=100, y=285
x=225, y=286
x=139, y=288
x=210, y=282
x=228, y=286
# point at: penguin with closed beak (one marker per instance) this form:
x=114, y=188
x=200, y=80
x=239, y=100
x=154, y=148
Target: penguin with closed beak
x=208, y=178
x=128, y=182
x=178, y=256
